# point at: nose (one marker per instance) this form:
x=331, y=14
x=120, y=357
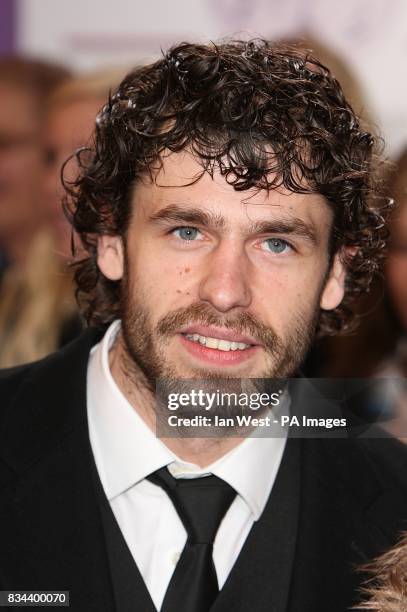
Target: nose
x=225, y=284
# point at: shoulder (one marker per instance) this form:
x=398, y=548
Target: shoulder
x=43, y=375
x=374, y=456
x=42, y=403
x=12, y=380
x=365, y=477
x=386, y=455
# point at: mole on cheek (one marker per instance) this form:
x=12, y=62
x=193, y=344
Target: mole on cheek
x=184, y=271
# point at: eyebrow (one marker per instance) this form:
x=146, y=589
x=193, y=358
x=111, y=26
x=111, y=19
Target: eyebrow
x=183, y=214
x=292, y=226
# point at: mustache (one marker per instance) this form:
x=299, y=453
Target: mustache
x=202, y=313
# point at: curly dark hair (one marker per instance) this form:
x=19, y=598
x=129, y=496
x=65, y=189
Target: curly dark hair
x=265, y=115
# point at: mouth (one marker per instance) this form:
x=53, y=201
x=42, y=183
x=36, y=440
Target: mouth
x=218, y=343
x=218, y=346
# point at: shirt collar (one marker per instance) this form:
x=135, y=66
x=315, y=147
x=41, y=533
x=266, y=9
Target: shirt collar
x=126, y=450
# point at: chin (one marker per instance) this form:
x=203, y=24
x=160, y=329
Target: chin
x=210, y=372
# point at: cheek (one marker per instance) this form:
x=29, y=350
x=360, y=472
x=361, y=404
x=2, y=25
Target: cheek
x=292, y=284
x=283, y=297
x=165, y=285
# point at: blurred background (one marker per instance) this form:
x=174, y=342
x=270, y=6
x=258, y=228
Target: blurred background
x=58, y=62
x=369, y=35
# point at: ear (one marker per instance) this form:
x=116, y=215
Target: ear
x=111, y=257
x=334, y=290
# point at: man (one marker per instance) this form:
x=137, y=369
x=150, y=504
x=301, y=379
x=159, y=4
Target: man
x=228, y=211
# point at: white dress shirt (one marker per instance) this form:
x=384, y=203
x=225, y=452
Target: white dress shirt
x=126, y=451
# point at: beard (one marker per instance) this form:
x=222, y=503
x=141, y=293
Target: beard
x=145, y=354
x=145, y=343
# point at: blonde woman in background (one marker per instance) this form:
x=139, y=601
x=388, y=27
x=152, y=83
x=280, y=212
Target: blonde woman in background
x=37, y=305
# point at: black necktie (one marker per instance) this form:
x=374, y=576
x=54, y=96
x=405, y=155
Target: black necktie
x=201, y=504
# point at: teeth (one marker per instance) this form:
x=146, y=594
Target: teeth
x=216, y=343
x=224, y=345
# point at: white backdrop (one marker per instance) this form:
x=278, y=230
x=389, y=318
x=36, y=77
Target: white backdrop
x=370, y=34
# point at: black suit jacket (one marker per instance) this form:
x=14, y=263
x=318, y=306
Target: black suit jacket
x=350, y=504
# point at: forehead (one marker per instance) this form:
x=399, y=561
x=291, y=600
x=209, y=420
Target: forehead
x=180, y=182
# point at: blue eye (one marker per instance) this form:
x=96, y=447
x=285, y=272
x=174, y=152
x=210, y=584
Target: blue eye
x=186, y=233
x=277, y=245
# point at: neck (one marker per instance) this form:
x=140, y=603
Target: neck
x=132, y=383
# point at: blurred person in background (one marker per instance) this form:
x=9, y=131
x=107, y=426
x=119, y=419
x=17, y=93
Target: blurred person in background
x=70, y=121
x=24, y=87
x=38, y=312
x=396, y=270
x=36, y=297
x=378, y=348
x=391, y=318
x=380, y=344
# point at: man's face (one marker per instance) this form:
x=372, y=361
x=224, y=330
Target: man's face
x=221, y=283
